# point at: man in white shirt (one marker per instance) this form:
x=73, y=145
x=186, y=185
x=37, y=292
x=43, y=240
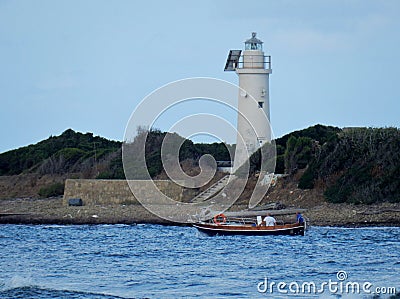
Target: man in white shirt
x=269, y=220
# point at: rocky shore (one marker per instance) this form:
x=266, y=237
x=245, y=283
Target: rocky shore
x=318, y=211
x=52, y=211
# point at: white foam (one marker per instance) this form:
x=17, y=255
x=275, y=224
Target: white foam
x=17, y=281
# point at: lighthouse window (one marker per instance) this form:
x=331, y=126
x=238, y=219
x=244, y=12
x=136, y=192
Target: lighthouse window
x=253, y=46
x=253, y=43
x=260, y=104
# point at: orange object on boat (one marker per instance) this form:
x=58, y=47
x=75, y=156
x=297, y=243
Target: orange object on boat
x=219, y=216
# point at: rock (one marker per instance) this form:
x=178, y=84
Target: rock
x=75, y=202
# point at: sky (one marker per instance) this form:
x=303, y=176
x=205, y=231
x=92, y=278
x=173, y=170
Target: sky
x=87, y=64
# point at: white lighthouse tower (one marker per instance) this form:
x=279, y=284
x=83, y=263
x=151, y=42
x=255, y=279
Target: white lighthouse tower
x=253, y=69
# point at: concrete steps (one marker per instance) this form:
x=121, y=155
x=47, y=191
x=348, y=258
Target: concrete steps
x=213, y=190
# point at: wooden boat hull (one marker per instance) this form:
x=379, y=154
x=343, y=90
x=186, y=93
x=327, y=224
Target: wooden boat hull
x=215, y=229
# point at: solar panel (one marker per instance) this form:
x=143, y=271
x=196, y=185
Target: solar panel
x=232, y=61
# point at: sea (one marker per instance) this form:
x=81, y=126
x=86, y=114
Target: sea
x=152, y=261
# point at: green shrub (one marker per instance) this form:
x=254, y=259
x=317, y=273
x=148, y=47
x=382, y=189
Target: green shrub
x=104, y=175
x=307, y=180
x=337, y=193
x=54, y=189
x=280, y=164
x=298, y=153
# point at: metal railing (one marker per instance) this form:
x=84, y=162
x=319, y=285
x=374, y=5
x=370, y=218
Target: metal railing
x=244, y=221
x=266, y=64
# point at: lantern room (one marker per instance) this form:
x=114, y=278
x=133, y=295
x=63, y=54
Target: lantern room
x=253, y=43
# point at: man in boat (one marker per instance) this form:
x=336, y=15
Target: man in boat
x=299, y=218
x=269, y=220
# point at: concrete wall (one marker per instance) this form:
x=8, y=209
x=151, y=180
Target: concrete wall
x=108, y=192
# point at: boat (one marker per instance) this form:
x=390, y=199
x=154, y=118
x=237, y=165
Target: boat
x=221, y=225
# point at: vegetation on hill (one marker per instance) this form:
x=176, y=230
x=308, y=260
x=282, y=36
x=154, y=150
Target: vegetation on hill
x=96, y=157
x=353, y=165
x=319, y=133
x=69, y=152
x=187, y=151
x=357, y=165
x=295, y=149
x=361, y=166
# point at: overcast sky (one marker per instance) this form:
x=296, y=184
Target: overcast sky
x=85, y=65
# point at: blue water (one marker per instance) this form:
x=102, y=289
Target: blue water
x=150, y=261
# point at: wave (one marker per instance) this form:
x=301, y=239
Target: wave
x=37, y=292
x=24, y=287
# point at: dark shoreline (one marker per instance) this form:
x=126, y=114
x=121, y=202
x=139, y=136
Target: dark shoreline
x=21, y=220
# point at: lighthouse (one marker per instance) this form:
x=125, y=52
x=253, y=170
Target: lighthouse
x=253, y=69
